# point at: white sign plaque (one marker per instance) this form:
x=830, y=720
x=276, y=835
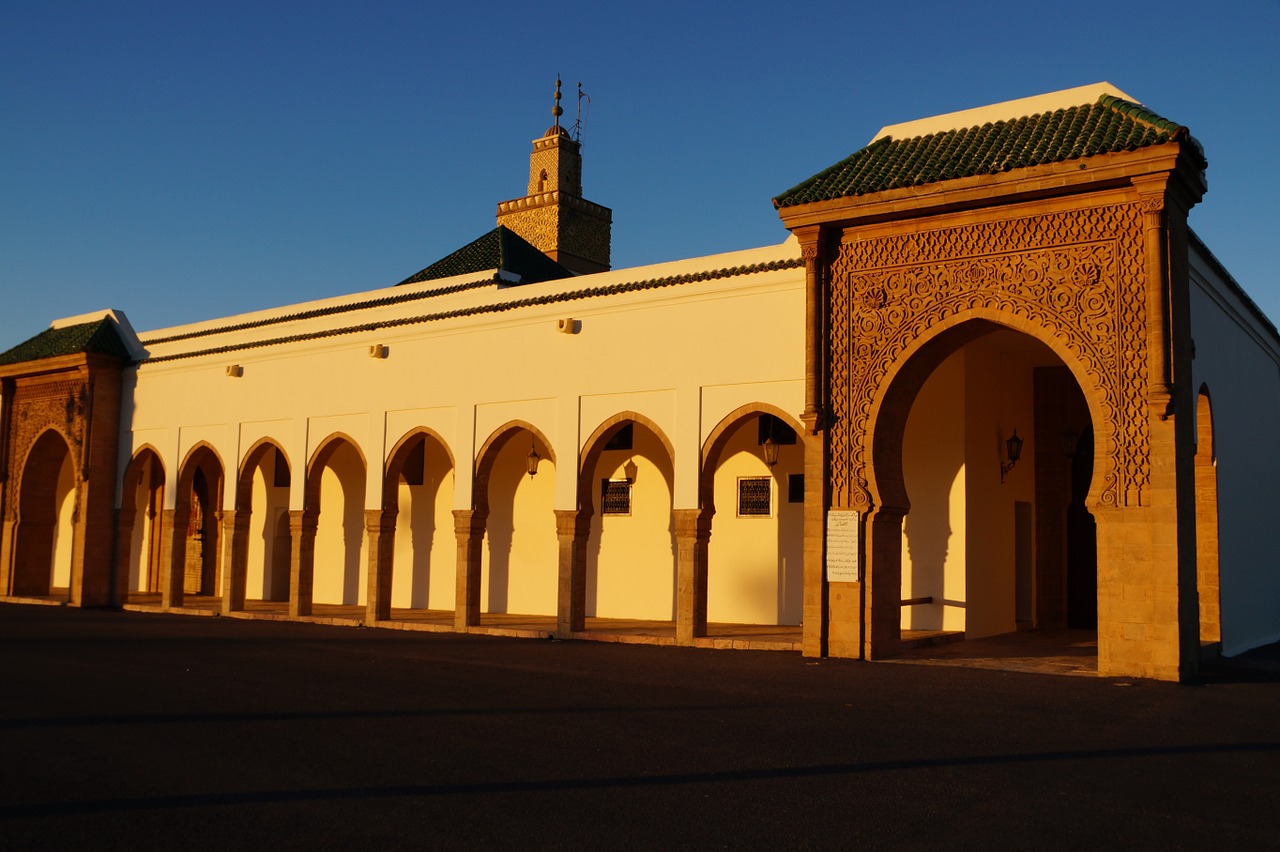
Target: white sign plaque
x=842, y=546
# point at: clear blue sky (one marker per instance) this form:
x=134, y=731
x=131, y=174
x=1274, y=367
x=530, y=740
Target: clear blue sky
x=183, y=161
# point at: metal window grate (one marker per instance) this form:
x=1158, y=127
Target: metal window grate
x=615, y=497
x=754, y=493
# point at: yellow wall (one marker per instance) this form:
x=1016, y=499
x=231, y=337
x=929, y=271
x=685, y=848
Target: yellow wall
x=631, y=569
x=958, y=538
x=934, y=531
x=520, y=562
x=65, y=500
x=755, y=571
x=267, y=577
x=341, y=568
x=424, y=573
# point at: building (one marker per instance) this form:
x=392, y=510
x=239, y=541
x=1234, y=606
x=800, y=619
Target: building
x=991, y=381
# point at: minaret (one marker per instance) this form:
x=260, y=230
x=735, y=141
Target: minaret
x=554, y=217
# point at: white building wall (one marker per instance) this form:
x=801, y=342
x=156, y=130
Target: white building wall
x=1238, y=358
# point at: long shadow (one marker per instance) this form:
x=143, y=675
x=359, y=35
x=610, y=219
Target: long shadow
x=194, y=800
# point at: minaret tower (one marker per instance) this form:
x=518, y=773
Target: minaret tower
x=554, y=217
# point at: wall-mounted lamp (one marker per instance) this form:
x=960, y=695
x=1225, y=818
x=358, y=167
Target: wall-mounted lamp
x=629, y=470
x=770, y=451
x=378, y=351
x=531, y=461
x=1014, y=448
x=235, y=371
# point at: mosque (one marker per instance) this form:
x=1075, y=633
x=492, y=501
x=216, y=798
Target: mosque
x=991, y=382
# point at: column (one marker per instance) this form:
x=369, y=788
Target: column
x=468, y=525
x=693, y=531
x=573, y=526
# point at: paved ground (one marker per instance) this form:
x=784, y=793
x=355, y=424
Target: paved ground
x=144, y=731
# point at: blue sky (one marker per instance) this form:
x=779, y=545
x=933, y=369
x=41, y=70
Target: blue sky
x=183, y=161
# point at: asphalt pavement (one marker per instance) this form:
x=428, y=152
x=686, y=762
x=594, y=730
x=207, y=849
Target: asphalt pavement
x=124, y=730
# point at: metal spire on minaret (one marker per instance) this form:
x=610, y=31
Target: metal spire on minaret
x=556, y=110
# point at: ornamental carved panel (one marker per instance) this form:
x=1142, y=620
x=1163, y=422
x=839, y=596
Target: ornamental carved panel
x=60, y=404
x=1077, y=277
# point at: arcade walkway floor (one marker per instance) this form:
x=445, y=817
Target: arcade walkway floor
x=1060, y=652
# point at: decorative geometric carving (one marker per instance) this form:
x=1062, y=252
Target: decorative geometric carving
x=60, y=404
x=1077, y=275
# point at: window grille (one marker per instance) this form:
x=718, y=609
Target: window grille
x=615, y=497
x=755, y=496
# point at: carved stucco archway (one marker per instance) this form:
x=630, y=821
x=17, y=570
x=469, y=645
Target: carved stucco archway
x=902, y=299
x=1073, y=280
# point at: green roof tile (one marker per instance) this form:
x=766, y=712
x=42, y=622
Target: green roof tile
x=1108, y=125
x=502, y=249
x=98, y=337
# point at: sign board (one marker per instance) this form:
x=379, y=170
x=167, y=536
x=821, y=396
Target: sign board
x=842, y=546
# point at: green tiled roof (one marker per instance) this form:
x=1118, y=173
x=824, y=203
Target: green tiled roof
x=502, y=249
x=98, y=337
x=1106, y=126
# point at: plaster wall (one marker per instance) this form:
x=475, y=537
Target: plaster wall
x=519, y=568
x=934, y=531
x=959, y=536
x=755, y=572
x=425, y=558
x=1238, y=358
x=64, y=496
x=999, y=398
x=341, y=565
x=267, y=567
x=631, y=567
x=475, y=372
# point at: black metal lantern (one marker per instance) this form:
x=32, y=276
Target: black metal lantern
x=1013, y=448
x=531, y=461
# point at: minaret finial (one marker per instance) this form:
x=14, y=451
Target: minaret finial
x=556, y=110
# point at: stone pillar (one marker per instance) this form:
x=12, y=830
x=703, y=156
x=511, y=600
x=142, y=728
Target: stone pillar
x=173, y=572
x=468, y=525
x=302, y=566
x=814, y=638
x=380, y=527
x=235, y=558
x=573, y=528
x=693, y=531
x=881, y=625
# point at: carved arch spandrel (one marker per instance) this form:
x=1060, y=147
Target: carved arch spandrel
x=57, y=405
x=1075, y=280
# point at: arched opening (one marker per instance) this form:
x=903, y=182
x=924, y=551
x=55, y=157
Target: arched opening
x=419, y=488
x=336, y=492
x=263, y=493
x=989, y=544
x=519, y=567
x=755, y=571
x=196, y=517
x=46, y=519
x=142, y=505
x=627, y=483
x=1206, y=468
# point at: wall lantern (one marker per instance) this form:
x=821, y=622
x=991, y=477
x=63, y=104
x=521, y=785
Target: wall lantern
x=629, y=470
x=1014, y=448
x=1069, y=440
x=531, y=461
x=770, y=451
